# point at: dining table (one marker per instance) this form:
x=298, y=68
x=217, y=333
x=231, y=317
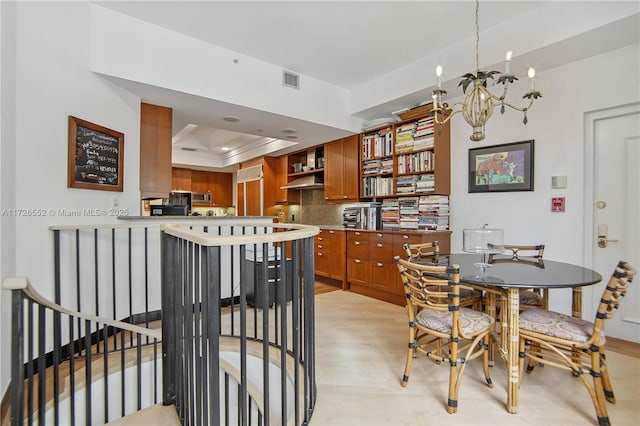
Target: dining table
x=502, y=279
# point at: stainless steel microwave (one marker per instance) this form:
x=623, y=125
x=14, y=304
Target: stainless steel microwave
x=201, y=198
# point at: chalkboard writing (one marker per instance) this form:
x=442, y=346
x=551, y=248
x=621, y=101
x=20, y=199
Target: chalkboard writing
x=95, y=156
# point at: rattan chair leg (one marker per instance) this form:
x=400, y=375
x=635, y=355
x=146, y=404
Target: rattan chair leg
x=410, y=355
x=606, y=380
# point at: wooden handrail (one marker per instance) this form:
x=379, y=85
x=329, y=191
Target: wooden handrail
x=22, y=283
x=206, y=239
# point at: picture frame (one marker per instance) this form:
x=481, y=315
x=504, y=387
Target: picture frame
x=502, y=168
x=96, y=156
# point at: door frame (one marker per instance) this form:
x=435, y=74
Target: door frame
x=590, y=240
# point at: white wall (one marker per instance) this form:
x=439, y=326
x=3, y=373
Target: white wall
x=7, y=170
x=53, y=81
x=556, y=125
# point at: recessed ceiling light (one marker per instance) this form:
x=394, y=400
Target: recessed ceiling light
x=225, y=148
x=292, y=137
x=231, y=118
x=289, y=131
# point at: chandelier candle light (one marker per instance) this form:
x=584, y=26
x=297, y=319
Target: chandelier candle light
x=478, y=104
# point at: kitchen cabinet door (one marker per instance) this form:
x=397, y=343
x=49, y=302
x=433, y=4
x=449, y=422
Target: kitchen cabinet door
x=199, y=181
x=155, y=150
x=180, y=179
x=221, y=187
x=342, y=170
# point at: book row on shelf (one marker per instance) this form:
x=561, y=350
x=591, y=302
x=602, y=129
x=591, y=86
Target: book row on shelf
x=377, y=186
x=415, y=184
x=427, y=212
x=377, y=144
x=422, y=161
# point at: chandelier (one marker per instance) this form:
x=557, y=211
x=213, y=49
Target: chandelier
x=478, y=104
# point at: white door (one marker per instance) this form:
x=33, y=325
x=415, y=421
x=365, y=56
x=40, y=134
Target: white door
x=615, y=210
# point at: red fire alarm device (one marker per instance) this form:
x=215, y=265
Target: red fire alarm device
x=557, y=204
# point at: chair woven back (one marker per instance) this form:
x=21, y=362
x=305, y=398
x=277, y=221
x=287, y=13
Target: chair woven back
x=421, y=250
x=613, y=293
x=425, y=291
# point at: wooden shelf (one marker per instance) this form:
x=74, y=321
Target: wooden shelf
x=310, y=172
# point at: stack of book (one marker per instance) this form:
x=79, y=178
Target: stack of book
x=390, y=214
x=423, y=134
x=417, y=162
x=409, y=214
x=426, y=183
x=404, y=138
x=406, y=184
x=371, y=167
x=433, y=213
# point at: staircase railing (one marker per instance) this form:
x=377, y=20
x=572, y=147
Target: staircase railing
x=63, y=373
x=264, y=339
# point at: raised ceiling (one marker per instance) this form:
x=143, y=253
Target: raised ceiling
x=347, y=44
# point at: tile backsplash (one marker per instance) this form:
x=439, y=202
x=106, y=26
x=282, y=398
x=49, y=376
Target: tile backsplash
x=315, y=211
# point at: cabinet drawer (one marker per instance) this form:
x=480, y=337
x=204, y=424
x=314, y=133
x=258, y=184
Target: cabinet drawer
x=358, y=249
x=358, y=270
x=383, y=275
x=381, y=251
x=322, y=263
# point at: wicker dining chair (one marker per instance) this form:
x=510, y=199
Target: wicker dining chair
x=438, y=327
x=573, y=344
x=531, y=254
x=469, y=298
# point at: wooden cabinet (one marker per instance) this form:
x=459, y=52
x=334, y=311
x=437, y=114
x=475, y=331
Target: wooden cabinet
x=200, y=181
x=371, y=269
x=180, y=179
x=330, y=251
x=155, y=151
x=342, y=170
x=221, y=187
x=258, y=197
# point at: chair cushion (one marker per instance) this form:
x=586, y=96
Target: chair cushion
x=471, y=321
x=557, y=325
x=529, y=298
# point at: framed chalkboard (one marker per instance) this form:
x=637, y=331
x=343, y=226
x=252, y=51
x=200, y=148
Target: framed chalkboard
x=96, y=156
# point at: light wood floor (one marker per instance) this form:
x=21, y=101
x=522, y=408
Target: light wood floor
x=361, y=347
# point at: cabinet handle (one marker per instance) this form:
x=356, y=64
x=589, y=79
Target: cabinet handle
x=406, y=237
x=319, y=238
x=332, y=232
x=358, y=233
x=379, y=265
x=356, y=260
x=379, y=235
x=357, y=243
x=320, y=246
x=319, y=254
x=379, y=245
x=344, y=196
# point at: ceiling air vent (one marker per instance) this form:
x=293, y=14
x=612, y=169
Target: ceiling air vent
x=184, y=148
x=290, y=79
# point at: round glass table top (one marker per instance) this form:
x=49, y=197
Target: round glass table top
x=526, y=273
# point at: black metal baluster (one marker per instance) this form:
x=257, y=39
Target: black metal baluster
x=72, y=373
x=213, y=272
x=198, y=401
x=146, y=278
x=264, y=284
x=113, y=274
x=97, y=288
x=123, y=388
x=204, y=374
x=295, y=313
x=42, y=332
x=188, y=333
x=17, y=358
x=168, y=284
x=105, y=374
x=78, y=293
x=309, y=326
x=139, y=369
x=282, y=292
x=130, y=277
x=87, y=374
x=242, y=395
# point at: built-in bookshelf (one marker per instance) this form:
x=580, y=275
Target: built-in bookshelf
x=408, y=158
x=377, y=162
